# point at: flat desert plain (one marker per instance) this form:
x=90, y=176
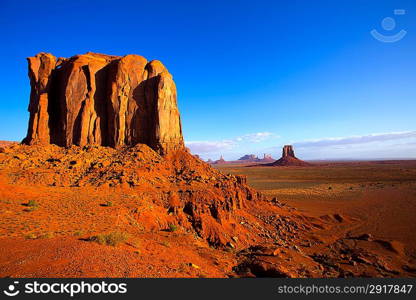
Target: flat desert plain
x=71, y=213
x=375, y=198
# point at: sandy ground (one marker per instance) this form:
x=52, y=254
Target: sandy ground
x=380, y=197
x=332, y=220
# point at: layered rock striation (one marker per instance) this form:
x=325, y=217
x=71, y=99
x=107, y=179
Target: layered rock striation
x=288, y=151
x=96, y=99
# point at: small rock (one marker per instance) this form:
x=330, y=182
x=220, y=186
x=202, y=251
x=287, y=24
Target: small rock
x=231, y=245
x=362, y=259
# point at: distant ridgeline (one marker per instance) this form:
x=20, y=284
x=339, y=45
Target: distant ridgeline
x=288, y=158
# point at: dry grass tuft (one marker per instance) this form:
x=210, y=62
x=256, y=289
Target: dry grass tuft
x=110, y=239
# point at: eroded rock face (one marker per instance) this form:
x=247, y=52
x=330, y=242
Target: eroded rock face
x=96, y=99
x=40, y=72
x=288, y=151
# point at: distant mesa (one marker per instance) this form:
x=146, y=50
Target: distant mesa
x=288, y=158
x=267, y=158
x=249, y=158
x=105, y=100
x=254, y=158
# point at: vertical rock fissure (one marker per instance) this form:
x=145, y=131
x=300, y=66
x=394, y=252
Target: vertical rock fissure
x=104, y=100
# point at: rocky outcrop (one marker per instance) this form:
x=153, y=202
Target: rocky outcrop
x=40, y=73
x=96, y=99
x=288, y=158
x=288, y=151
x=5, y=144
x=178, y=188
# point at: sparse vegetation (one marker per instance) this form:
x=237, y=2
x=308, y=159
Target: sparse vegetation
x=173, y=227
x=32, y=203
x=31, y=236
x=78, y=233
x=47, y=235
x=31, y=206
x=165, y=243
x=110, y=239
x=135, y=242
x=76, y=215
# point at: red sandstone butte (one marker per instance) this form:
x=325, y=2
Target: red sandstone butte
x=288, y=158
x=97, y=99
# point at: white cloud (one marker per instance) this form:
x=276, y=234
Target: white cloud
x=209, y=146
x=200, y=147
x=353, y=140
x=257, y=137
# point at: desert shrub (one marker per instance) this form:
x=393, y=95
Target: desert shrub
x=78, y=233
x=134, y=242
x=110, y=239
x=165, y=243
x=47, y=235
x=31, y=236
x=173, y=227
x=107, y=204
x=32, y=203
x=31, y=206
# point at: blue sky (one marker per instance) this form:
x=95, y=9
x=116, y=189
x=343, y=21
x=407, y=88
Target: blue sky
x=251, y=75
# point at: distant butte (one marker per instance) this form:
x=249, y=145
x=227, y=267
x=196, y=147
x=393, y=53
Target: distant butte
x=288, y=158
x=220, y=161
